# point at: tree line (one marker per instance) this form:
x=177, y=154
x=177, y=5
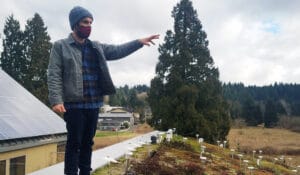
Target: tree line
x=133, y=99
x=264, y=104
x=254, y=104
x=26, y=53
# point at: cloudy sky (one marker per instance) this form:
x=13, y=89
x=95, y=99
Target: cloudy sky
x=256, y=42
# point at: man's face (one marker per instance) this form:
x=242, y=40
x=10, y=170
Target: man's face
x=85, y=22
x=83, y=28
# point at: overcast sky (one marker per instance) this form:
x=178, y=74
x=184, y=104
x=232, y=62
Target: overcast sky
x=256, y=42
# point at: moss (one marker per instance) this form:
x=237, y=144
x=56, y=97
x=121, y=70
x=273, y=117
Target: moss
x=268, y=166
x=182, y=158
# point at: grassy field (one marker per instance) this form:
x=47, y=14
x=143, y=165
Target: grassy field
x=272, y=142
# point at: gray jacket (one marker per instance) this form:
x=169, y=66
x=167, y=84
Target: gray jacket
x=65, y=83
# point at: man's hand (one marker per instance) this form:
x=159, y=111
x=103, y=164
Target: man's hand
x=148, y=40
x=59, y=108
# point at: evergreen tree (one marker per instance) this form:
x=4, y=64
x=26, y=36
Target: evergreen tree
x=186, y=93
x=252, y=112
x=141, y=88
x=132, y=99
x=271, y=117
x=37, y=42
x=254, y=100
x=12, y=58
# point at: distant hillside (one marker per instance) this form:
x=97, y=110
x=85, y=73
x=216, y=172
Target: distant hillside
x=262, y=104
x=133, y=99
x=254, y=104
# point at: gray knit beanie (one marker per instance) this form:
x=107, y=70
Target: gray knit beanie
x=76, y=14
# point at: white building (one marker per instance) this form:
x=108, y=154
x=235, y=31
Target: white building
x=113, y=119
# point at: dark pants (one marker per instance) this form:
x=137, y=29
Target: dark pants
x=81, y=127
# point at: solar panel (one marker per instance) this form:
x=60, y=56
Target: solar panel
x=22, y=114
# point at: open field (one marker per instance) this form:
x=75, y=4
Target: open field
x=273, y=142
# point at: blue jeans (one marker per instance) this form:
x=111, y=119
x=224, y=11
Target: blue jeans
x=81, y=127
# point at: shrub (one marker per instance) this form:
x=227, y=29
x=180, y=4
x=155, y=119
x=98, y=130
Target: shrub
x=178, y=145
x=290, y=123
x=125, y=124
x=192, y=169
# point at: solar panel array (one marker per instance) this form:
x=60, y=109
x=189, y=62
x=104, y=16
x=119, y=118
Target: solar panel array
x=22, y=115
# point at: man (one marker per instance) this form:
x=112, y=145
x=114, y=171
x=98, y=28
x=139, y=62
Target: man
x=78, y=77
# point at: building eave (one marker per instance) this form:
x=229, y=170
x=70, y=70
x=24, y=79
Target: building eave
x=23, y=143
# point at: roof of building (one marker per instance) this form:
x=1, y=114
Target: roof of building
x=107, y=108
x=15, y=144
x=22, y=115
x=115, y=115
x=118, y=110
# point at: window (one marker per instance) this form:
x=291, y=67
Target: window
x=17, y=166
x=2, y=166
x=61, y=152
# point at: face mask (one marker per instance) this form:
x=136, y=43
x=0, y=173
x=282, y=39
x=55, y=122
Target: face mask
x=83, y=32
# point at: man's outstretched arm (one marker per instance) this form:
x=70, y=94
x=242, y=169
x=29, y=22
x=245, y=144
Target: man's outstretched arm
x=113, y=52
x=148, y=40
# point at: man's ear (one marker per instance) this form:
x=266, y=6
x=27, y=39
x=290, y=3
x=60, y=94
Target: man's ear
x=75, y=26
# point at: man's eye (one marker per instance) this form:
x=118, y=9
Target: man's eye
x=87, y=22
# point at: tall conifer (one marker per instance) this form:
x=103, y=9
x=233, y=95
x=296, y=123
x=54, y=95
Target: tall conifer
x=37, y=53
x=12, y=59
x=186, y=93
